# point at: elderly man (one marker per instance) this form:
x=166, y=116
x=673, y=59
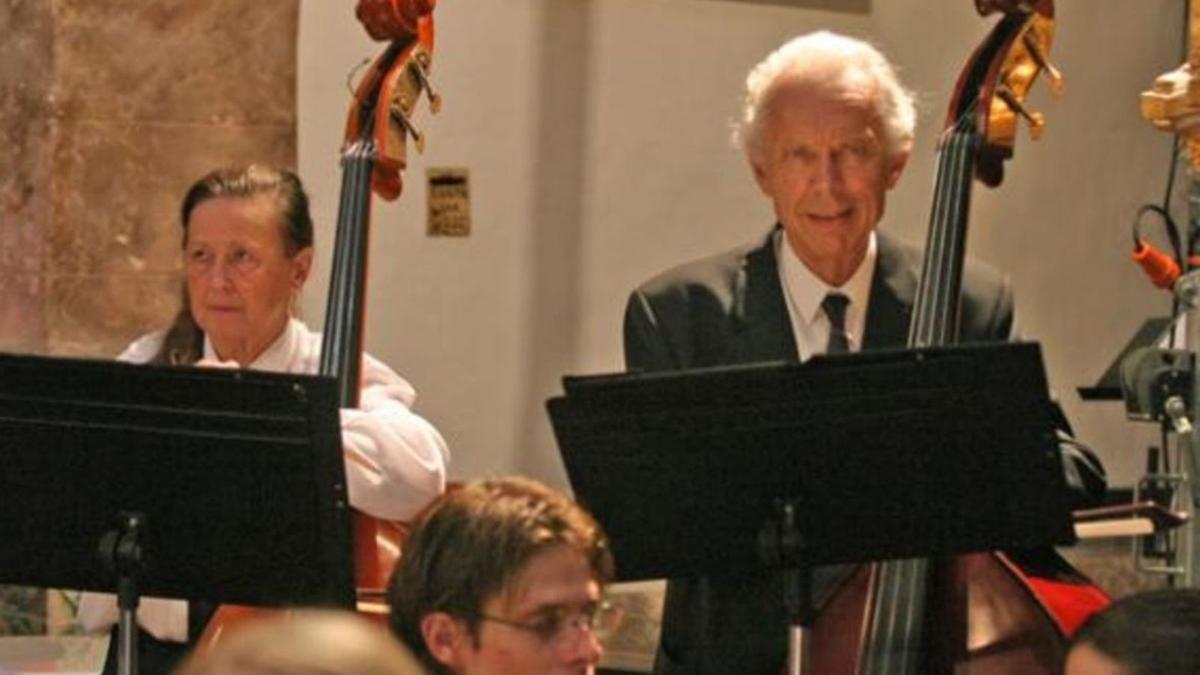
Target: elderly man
x=827, y=130
x=503, y=577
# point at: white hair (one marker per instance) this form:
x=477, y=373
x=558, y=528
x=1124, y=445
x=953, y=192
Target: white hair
x=825, y=49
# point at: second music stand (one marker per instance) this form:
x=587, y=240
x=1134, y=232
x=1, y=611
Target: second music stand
x=851, y=458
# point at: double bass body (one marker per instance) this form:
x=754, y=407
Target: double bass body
x=986, y=619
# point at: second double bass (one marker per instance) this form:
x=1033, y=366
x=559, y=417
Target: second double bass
x=979, y=613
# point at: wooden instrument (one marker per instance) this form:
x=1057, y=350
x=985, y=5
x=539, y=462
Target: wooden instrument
x=1173, y=102
x=374, y=155
x=378, y=126
x=981, y=613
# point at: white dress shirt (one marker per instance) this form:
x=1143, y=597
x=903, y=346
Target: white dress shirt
x=395, y=460
x=803, y=292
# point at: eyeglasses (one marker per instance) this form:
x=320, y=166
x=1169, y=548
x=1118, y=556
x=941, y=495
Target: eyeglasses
x=557, y=625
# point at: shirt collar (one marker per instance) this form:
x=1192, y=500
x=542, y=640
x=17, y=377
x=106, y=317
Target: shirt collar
x=806, y=290
x=276, y=356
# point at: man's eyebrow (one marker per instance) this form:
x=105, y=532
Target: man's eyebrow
x=562, y=606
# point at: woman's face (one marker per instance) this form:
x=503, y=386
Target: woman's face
x=240, y=278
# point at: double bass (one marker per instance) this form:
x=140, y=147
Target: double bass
x=374, y=155
x=986, y=612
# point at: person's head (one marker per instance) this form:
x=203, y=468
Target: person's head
x=827, y=129
x=247, y=251
x=1152, y=633
x=305, y=643
x=502, y=576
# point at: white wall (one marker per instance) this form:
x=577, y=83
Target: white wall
x=596, y=136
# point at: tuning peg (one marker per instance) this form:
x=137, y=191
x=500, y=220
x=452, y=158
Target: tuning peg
x=1038, y=55
x=418, y=138
x=421, y=70
x=1037, y=121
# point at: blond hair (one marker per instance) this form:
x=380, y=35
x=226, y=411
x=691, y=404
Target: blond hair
x=313, y=642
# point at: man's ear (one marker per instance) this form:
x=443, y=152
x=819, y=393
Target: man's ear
x=301, y=267
x=895, y=166
x=445, y=637
x=755, y=158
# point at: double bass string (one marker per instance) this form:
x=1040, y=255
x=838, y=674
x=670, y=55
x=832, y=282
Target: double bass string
x=898, y=617
x=947, y=234
x=346, y=285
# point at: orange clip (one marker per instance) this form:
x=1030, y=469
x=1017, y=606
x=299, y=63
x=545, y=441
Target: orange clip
x=1160, y=267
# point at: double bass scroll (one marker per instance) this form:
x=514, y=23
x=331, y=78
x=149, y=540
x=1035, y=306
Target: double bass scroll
x=997, y=95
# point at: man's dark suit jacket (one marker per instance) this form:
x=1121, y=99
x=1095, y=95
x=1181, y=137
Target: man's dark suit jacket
x=730, y=309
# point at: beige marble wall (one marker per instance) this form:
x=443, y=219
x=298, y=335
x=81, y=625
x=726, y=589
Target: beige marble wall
x=112, y=110
x=25, y=75
x=108, y=112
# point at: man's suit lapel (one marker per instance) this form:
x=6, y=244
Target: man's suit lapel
x=893, y=290
x=763, y=329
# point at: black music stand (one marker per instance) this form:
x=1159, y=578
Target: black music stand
x=222, y=485
x=1152, y=333
x=848, y=458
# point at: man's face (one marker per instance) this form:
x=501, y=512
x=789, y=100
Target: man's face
x=556, y=589
x=823, y=161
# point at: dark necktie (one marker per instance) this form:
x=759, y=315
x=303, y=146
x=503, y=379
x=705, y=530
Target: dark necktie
x=834, y=305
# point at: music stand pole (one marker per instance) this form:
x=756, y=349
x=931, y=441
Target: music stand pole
x=781, y=543
x=121, y=551
x=127, y=637
x=1188, y=290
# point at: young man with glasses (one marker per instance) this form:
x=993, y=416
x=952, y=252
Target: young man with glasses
x=503, y=576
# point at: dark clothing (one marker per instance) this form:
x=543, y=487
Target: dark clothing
x=730, y=309
x=154, y=655
x=159, y=656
